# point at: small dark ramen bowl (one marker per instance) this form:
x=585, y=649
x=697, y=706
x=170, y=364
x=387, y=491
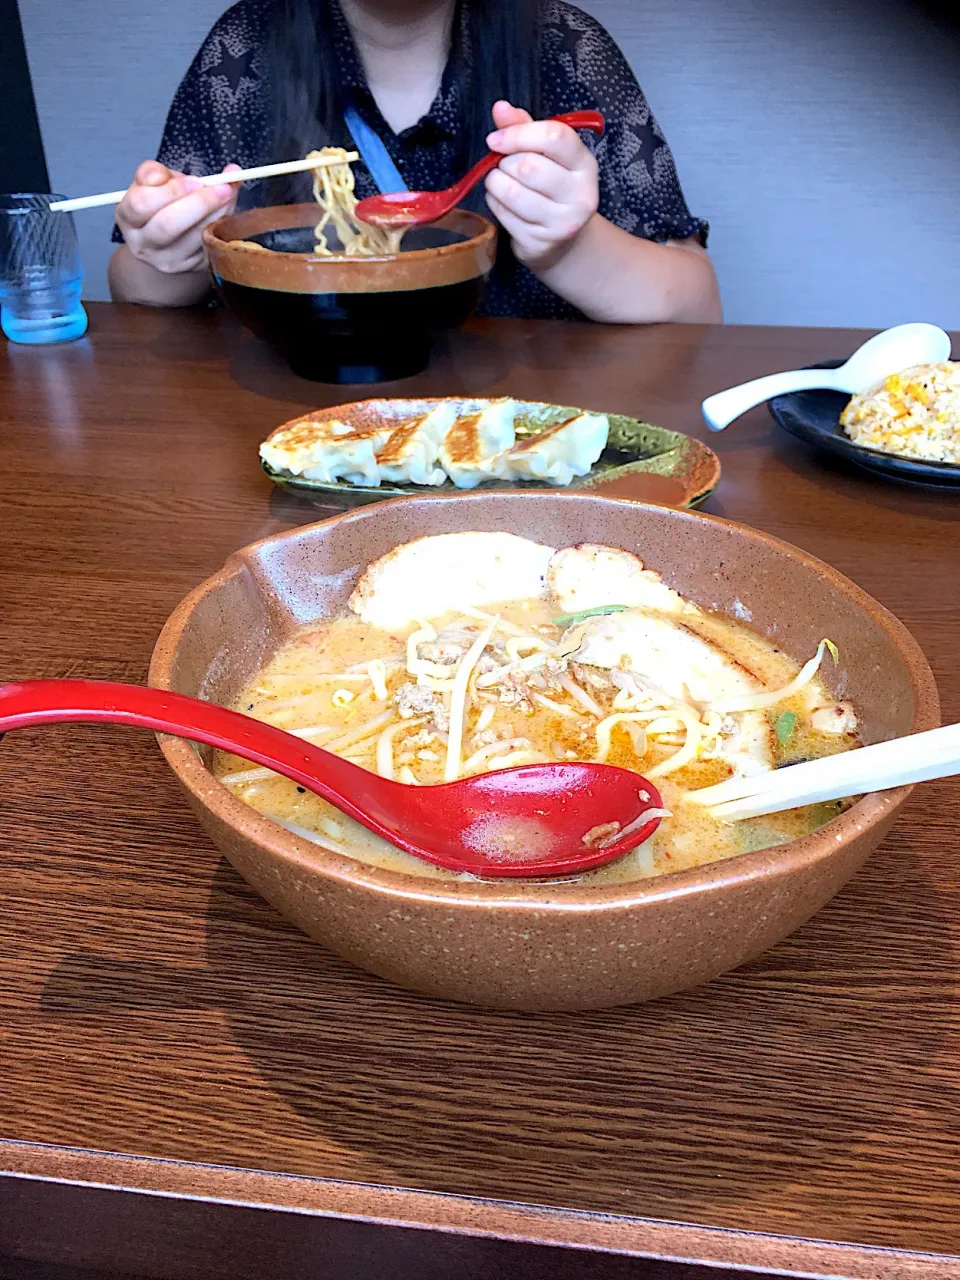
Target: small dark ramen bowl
x=349, y=320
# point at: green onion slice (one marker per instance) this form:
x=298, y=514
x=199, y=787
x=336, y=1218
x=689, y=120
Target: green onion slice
x=786, y=726
x=571, y=619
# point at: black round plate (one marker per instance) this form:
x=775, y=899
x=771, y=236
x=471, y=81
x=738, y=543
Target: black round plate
x=814, y=417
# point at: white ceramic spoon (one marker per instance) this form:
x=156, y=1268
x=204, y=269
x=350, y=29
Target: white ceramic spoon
x=920, y=757
x=888, y=352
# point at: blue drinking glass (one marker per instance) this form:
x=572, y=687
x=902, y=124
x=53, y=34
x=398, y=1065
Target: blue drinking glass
x=41, y=276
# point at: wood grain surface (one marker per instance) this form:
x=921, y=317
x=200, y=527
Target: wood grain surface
x=152, y=1005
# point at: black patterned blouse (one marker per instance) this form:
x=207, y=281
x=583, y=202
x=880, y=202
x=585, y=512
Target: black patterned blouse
x=220, y=112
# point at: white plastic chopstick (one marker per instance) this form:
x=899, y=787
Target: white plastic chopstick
x=212, y=180
x=921, y=757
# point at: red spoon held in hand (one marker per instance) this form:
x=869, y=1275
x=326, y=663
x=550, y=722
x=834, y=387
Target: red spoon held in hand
x=400, y=209
x=534, y=821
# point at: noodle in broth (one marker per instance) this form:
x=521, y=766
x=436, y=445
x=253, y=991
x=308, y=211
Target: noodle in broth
x=333, y=190
x=478, y=690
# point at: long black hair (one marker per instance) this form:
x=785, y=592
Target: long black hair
x=308, y=100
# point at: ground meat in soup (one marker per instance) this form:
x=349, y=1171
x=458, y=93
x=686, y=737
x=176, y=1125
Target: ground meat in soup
x=525, y=703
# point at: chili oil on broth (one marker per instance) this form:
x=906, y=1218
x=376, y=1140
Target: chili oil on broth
x=322, y=684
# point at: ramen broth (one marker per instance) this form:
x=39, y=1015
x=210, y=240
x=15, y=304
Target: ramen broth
x=322, y=684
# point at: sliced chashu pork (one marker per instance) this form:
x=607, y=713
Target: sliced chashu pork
x=589, y=577
x=437, y=575
x=664, y=653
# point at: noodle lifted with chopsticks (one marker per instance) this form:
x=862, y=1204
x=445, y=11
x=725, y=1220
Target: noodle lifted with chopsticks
x=333, y=189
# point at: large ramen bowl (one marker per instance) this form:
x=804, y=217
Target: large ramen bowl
x=562, y=945
x=348, y=320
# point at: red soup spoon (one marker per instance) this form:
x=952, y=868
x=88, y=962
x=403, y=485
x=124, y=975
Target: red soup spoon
x=530, y=821
x=400, y=209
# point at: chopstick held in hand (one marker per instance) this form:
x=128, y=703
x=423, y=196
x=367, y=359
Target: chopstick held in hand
x=211, y=180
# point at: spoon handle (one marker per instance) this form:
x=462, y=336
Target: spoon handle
x=38, y=702
x=720, y=410
x=592, y=121
x=921, y=757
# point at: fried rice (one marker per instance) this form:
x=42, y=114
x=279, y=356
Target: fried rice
x=915, y=414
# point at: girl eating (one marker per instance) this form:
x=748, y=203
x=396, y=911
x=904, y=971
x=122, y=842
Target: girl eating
x=595, y=228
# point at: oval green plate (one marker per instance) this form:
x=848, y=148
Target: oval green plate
x=641, y=462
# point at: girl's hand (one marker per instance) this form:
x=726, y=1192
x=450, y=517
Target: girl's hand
x=545, y=190
x=164, y=212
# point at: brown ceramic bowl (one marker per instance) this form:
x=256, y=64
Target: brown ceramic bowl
x=354, y=320
x=544, y=946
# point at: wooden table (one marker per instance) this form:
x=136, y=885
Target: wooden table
x=270, y=1110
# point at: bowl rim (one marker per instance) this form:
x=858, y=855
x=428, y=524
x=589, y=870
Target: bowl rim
x=486, y=231
x=872, y=810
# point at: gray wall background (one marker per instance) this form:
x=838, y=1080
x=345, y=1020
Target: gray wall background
x=820, y=137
